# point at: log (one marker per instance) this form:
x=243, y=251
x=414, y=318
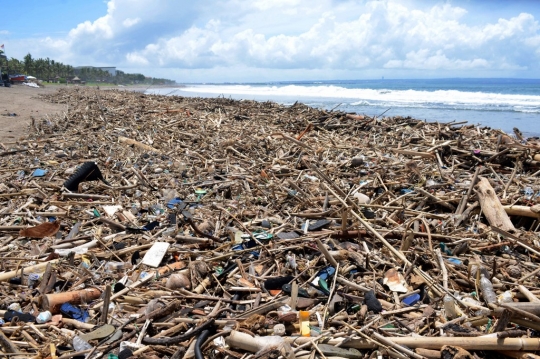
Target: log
x=525, y=211
x=53, y=302
x=492, y=207
x=435, y=343
x=35, y=268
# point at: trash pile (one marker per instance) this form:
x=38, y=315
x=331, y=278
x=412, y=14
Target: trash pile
x=136, y=225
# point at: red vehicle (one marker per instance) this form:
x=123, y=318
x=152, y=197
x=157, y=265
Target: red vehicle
x=17, y=78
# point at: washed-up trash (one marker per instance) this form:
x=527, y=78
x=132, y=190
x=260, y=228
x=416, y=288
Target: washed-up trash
x=43, y=317
x=89, y=171
x=173, y=202
x=38, y=172
x=277, y=283
x=9, y=315
x=42, y=230
x=102, y=332
x=155, y=255
x=288, y=235
x=74, y=312
x=228, y=218
x=395, y=281
x=372, y=302
x=412, y=299
x=318, y=224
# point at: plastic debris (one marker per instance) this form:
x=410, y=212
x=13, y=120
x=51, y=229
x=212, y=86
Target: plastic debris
x=246, y=225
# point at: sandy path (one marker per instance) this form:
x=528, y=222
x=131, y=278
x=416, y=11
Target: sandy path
x=23, y=101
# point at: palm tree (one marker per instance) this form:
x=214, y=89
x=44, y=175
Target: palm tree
x=48, y=64
x=28, y=63
x=15, y=66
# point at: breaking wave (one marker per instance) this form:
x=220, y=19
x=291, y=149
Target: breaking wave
x=438, y=99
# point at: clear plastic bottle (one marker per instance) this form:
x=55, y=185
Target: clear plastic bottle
x=487, y=290
x=80, y=344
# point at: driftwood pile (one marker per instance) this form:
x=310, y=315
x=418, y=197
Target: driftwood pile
x=167, y=227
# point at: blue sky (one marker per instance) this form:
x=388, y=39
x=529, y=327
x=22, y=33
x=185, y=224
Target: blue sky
x=277, y=40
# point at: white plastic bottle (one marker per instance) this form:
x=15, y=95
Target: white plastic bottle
x=80, y=344
x=487, y=290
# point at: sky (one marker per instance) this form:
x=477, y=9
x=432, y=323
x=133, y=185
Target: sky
x=281, y=40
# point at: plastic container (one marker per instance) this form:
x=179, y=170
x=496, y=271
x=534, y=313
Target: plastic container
x=506, y=297
x=487, y=290
x=115, y=267
x=303, y=317
x=43, y=317
x=80, y=344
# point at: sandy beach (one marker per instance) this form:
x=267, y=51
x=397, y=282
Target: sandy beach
x=24, y=102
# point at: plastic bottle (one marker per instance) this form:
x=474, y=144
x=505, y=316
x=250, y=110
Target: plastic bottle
x=528, y=191
x=450, y=307
x=487, y=290
x=303, y=316
x=80, y=344
x=44, y=317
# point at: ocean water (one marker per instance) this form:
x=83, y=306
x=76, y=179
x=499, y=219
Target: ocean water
x=496, y=103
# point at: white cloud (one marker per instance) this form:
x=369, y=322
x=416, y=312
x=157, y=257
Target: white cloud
x=130, y=22
x=329, y=35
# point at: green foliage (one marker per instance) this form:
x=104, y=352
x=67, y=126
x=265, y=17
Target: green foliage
x=54, y=71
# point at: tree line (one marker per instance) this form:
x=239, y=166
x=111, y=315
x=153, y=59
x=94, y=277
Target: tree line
x=49, y=70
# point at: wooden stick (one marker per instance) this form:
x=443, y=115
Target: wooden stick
x=35, y=268
x=326, y=254
x=85, y=196
x=7, y=345
x=436, y=343
x=525, y=211
x=465, y=199
x=106, y=301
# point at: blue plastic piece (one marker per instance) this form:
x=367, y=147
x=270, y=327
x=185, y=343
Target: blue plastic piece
x=411, y=299
x=327, y=272
x=454, y=261
x=71, y=311
x=173, y=202
x=38, y=172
